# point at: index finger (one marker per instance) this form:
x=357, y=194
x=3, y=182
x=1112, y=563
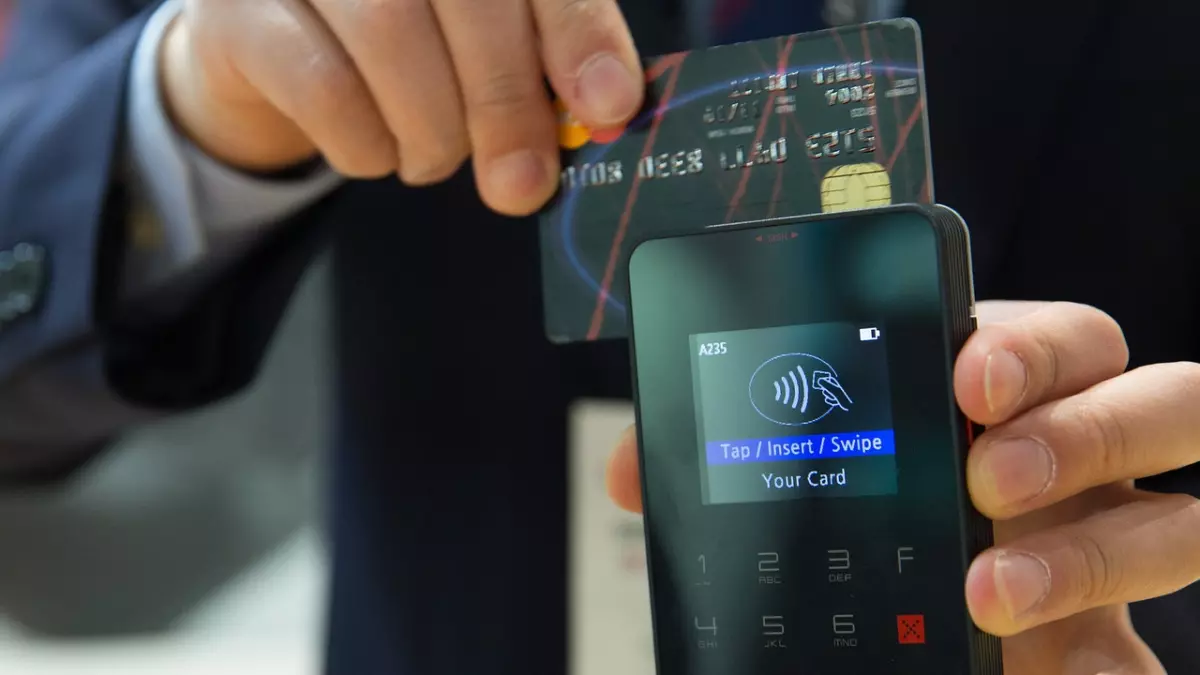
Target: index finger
x=508, y=115
x=590, y=60
x=1019, y=359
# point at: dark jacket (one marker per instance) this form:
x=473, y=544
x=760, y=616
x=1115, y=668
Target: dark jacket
x=1062, y=132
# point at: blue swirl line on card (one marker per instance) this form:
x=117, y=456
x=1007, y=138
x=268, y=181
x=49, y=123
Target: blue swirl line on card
x=566, y=223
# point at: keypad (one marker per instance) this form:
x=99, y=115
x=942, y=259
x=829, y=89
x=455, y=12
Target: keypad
x=773, y=609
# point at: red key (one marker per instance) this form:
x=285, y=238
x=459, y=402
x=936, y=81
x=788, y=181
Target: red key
x=911, y=628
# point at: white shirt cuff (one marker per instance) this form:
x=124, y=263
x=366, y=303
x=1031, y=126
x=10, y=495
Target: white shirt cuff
x=188, y=207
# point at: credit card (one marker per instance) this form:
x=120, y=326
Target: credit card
x=817, y=122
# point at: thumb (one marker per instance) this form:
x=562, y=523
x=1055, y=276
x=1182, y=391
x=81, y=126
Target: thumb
x=622, y=475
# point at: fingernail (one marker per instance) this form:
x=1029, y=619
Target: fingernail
x=1022, y=582
x=520, y=174
x=1016, y=469
x=607, y=89
x=1004, y=380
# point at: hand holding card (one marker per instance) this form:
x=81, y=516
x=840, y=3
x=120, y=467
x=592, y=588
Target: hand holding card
x=798, y=125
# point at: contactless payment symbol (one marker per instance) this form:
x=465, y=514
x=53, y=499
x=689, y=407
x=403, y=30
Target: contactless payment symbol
x=572, y=135
x=911, y=628
x=797, y=389
x=855, y=186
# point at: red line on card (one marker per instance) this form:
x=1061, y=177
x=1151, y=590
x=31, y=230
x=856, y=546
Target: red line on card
x=779, y=174
x=887, y=61
x=812, y=164
x=780, y=66
x=904, y=133
x=778, y=188
x=799, y=134
x=837, y=37
x=779, y=168
x=662, y=64
x=891, y=73
x=758, y=56
x=614, y=252
x=866, y=44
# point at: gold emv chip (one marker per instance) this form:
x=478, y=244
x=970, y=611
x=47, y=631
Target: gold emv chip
x=855, y=186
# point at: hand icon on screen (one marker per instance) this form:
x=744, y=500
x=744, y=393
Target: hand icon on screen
x=784, y=389
x=835, y=396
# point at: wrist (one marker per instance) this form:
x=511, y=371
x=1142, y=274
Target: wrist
x=224, y=117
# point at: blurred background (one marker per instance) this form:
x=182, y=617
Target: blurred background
x=196, y=546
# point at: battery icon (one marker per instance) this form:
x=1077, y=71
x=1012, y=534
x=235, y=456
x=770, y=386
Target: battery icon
x=868, y=334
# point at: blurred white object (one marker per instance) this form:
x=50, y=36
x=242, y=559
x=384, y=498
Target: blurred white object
x=610, y=597
x=269, y=622
x=195, y=547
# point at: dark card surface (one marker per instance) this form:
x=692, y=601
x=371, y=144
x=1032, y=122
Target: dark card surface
x=796, y=125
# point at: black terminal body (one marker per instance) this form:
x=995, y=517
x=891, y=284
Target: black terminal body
x=802, y=454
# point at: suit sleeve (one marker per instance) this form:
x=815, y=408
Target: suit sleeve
x=76, y=367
